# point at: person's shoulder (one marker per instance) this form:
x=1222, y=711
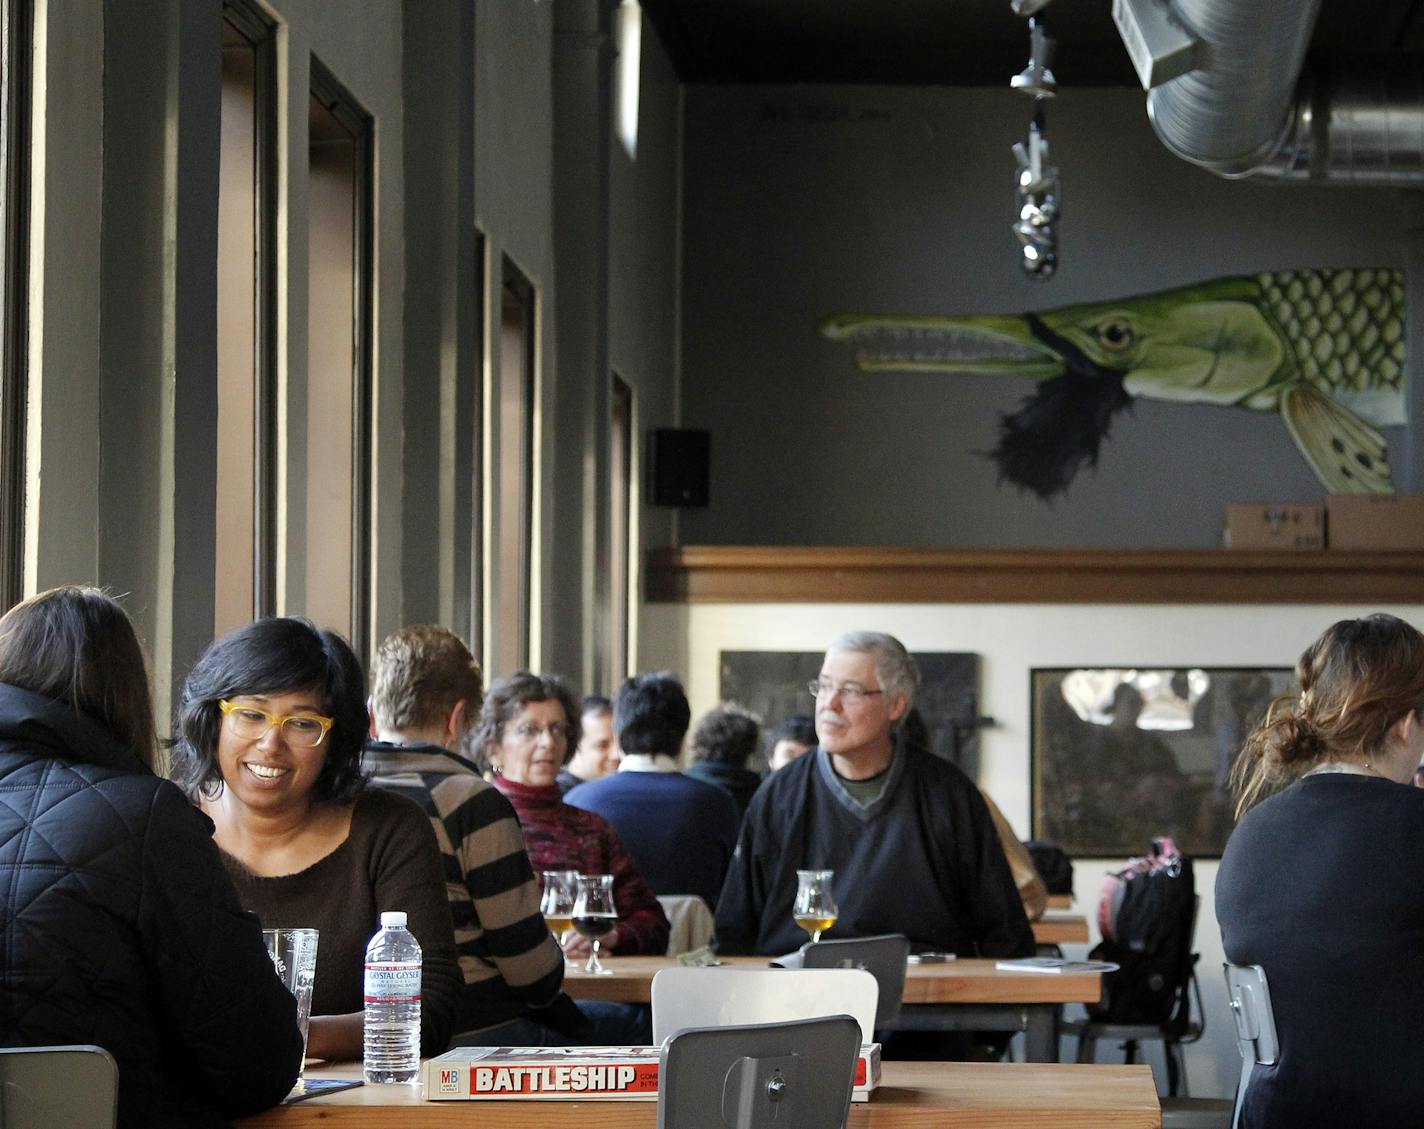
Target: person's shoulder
x=378, y=807
x=931, y=769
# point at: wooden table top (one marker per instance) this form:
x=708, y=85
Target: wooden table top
x=954, y=982
x=912, y=1095
x=1061, y=929
x=1060, y=901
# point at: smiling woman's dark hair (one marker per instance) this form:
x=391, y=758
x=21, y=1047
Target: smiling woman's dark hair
x=274, y=656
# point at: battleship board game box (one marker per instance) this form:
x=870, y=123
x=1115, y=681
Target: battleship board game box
x=573, y=1074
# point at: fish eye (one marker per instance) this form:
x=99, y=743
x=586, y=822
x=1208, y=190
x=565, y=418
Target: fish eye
x=1115, y=334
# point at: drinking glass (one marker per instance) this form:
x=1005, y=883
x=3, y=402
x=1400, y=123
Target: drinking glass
x=293, y=953
x=815, y=906
x=557, y=902
x=595, y=914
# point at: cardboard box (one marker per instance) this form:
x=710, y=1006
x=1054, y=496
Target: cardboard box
x=1376, y=521
x=1274, y=525
x=573, y=1074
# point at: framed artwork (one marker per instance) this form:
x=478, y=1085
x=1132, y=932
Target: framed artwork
x=772, y=684
x=1122, y=755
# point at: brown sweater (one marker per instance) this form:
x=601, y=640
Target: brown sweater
x=389, y=861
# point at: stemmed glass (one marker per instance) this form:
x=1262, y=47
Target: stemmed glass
x=595, y=914
x=815, y=906
x=557, y=902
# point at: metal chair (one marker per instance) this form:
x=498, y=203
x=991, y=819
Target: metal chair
x=759, y=1076
x=884, y=957
x=721, y=997
x=1250, y=1000
x=43, y=1087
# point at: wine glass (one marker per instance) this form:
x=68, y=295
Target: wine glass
x=556, y=903
x=815, y=906
x=595, y=914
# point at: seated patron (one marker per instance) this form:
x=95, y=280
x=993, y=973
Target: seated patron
x=527, y=726
x=681, y=831
x=794, y=737
x=908, y=835
x=1322, y=882
x=119, y=926
x=270, y=730
x=426, y=696
x=722, y=743
x=598, y=753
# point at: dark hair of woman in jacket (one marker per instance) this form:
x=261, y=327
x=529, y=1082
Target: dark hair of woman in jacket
x=121, y=928
x=76, y=646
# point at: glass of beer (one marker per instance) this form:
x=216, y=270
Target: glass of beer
x=595, y=914
x=556, y=903
x=815, y=906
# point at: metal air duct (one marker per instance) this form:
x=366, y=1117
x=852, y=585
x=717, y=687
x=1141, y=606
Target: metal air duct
x=1248, y=112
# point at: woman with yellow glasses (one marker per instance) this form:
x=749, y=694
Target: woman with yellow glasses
x=269, y=737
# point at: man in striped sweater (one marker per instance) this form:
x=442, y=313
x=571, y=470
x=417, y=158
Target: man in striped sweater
x=426, y=695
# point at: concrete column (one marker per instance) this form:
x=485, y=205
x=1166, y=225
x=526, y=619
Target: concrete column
x=575, y=591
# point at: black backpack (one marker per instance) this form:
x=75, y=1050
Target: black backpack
x=1147, y=915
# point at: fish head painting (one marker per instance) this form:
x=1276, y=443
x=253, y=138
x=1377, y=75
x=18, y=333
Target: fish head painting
x=1322, y=348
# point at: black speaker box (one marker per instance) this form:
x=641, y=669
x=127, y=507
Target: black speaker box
x=681, y=467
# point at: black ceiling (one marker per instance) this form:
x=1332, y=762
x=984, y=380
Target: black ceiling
x=948, y=42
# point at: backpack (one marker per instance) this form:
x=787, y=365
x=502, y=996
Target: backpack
x=1147, y=914
x=1053, y=866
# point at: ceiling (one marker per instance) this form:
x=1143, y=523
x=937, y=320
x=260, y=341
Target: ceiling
x=948, y=42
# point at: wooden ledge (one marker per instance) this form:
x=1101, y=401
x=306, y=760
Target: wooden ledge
x=748, y=574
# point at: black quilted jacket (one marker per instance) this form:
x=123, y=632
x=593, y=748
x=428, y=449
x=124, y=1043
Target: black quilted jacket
x=119, y=927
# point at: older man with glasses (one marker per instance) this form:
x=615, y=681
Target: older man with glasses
x=908, y=835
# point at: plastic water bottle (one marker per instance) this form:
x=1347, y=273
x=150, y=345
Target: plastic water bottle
x=392, y=1051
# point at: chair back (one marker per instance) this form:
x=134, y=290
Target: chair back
x=691, y=921
x=721, y=997
x=43, y=1087
x=884, y=957
x=1250, y=1000
x=761, y=1076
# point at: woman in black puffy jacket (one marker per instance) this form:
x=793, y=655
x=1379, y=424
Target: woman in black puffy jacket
x=118, y=925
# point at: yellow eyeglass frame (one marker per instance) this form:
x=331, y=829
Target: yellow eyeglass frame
x=280, y=721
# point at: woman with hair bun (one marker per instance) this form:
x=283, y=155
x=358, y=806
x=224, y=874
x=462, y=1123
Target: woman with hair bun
x=1322, y=882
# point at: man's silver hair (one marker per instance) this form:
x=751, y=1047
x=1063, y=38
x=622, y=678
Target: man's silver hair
x=894, y=667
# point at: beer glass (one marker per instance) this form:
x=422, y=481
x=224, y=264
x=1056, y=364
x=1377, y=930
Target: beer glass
x=557, y=901
x=595, y=914
x=293, y=953
x=815, y=906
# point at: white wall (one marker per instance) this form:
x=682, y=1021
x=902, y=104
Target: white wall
x=1011, y=639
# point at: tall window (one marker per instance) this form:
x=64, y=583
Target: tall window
x=620, y=527
x=15, y=38
x=513, y=536
x=338, y=443
x=244, y=575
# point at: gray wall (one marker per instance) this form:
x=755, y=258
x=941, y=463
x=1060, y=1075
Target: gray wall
x=122, y=407
x=801, y=202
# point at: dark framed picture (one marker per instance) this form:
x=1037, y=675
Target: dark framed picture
x=1123, y=755
x=772, y=684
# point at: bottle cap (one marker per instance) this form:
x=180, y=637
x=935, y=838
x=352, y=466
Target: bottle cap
x=393, y=917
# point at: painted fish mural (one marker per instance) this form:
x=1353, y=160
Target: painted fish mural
x=1324, y=348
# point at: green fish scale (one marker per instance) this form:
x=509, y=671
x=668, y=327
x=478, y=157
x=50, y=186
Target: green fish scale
x=1346, y=327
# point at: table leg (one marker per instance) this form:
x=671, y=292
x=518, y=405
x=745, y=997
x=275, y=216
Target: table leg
x=1041, y=1032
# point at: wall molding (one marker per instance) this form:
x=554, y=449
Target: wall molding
x=861, y=574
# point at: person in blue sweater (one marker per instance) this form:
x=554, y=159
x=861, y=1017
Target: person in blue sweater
x=680, y=831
